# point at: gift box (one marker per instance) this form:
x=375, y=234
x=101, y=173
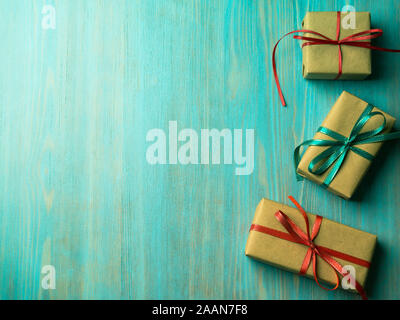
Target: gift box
x=331, y=51
x=342, y=171
x=321, y=61
x=270, y=242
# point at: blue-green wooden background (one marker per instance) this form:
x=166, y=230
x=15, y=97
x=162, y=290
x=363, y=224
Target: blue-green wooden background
x=77, y=192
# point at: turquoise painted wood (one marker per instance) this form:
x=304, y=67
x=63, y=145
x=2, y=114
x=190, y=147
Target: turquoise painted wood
x=77, y=192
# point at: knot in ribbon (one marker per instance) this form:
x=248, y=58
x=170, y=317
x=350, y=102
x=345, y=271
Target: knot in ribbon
x=296, y=235
x=354, y=40
x=339, y=147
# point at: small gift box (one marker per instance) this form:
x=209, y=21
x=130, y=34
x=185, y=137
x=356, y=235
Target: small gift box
x=344, y=146
x=291, y=239
x=331, y=51
x=322, y=61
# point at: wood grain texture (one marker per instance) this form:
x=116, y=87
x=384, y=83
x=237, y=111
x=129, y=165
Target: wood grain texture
x=77, y=192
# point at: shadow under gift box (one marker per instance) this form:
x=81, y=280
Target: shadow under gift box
x=322, y=61
x=342, y=118
x=289, y=255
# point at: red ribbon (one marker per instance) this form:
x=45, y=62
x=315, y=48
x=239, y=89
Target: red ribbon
x=352, y=40
x=298, y=236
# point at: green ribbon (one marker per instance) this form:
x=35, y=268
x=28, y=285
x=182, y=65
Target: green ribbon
x=341, y=145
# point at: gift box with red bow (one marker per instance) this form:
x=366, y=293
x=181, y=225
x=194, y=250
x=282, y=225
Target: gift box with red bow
x=346, y=62
x=291, y=239
x=333, y=49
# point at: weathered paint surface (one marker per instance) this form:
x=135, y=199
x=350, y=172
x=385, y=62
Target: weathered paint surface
x=77, y=192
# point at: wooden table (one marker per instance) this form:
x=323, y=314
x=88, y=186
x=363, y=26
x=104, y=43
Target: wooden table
x=76, y=189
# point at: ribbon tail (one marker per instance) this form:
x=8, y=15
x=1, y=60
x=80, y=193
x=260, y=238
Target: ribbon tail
x=361, y=291
x=337, y=267
x=314, y=258
x=306, y=262
x=334, y=171
x=278, y=85
x=381, y=138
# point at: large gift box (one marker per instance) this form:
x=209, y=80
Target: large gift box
x=322, y=61
x=270, y=242
x=341, y=168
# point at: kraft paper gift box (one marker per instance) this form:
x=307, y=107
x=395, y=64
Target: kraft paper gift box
x=341, y=119
x=321, y=61
x=289, y=256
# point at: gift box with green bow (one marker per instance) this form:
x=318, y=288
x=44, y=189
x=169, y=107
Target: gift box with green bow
x=341, y=152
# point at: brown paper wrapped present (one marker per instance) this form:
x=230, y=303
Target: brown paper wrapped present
x=342, y=119
x=270, y=242
x=321, y=61
x=332, y=51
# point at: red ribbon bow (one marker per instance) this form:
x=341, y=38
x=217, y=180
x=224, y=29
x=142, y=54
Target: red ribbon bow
x=352, y=40
x=298, y=236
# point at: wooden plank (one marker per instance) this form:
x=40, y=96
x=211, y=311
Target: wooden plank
x=77, y=192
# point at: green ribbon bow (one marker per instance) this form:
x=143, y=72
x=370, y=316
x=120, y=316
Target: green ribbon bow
x=341, y=145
